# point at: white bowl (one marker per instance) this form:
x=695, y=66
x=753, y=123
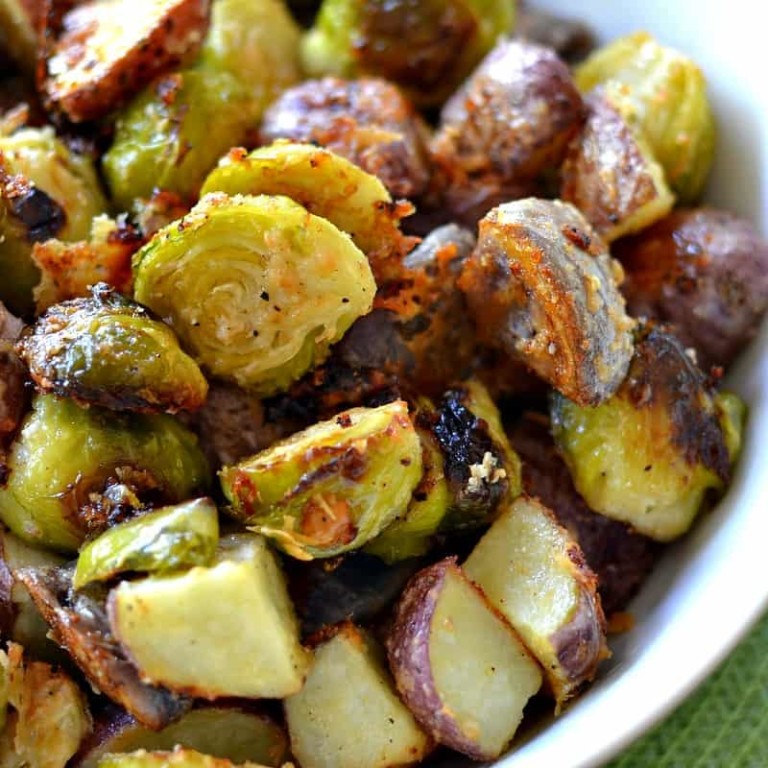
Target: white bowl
x=712, y=586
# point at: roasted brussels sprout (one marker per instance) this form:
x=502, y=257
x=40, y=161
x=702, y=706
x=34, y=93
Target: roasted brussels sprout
x=50, y=714
x=542, y=287
x=332, y=487
x=367, y=120
x=667, y=101
x=609, y=173
x=257, y=41
x=107, y=350
x=703, y=271
x=649, y=455
x=570, y=38
x=68, y=270
x=480, y=466
x=427, y=48
x=96, y=61
x=171, y=135
x=46, y=191
x=66, y=457
x=327, y=185
x=506, y=128
x=166, y=539
x=256, y=288
x=78, y=621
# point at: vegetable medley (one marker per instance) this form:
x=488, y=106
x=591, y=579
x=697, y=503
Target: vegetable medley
x=356, y=364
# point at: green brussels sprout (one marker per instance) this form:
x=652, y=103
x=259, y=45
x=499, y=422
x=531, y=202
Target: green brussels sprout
x=411, y=535
x=107, y=350
x=257, y=41
x=332, y=487
x=172, y=134
x=327, y=185
x=428, y=47
x=256, y=288
x=166, y=539
x=65, y=457
x=651, y=454
x=46, y=191
x=667, y=100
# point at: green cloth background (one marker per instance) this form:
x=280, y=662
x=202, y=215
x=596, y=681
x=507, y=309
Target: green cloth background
x=724, y=724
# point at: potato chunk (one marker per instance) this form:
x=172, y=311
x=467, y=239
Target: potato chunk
x=252, y=651
x=109, y=49
x=542, y=287
x=534, y=574
x=348, y=714
x=459, y=666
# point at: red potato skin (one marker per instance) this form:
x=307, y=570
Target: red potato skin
x=106, y=85
x=704, y=272
x=408, y=654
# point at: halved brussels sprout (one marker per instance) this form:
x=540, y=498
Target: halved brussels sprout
x=650, y=454
x=257, y=288
x=46, y=190
x=107, y=350
x=166, y=539
x=172, y=134
x=667, y=101
x=65, y=458
x=332, y=487
x=428, y=48
x=542, y=287
x=257, y=41
x=327, y=185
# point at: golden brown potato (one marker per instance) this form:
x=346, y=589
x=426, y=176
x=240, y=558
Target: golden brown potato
x=504, y=129
x=610, y=175
x=107, y=50
x=542, y=287
x=368, y=121
x=705, y=273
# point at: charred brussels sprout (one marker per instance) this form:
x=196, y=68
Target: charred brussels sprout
x=257, y=288
x=427, y=47
x=164, y=540
x=649, y=455
x=332, y=487
x=667, y=102
x=171, y=135
x=65, y=457
x=327, y=185
x=107, y=350
x=46, y=191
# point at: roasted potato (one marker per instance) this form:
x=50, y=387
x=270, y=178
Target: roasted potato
x=610, y=175
x=236, y=732
x=620, y=557
x=368, y=121
x=79, y=623
x=378, y=731
x=705, y=273
x=458, y=665
x=652, y=453
x=203, y=655
x=505, y=128
x=541, y=286
x=97, y=60
x=535, y=575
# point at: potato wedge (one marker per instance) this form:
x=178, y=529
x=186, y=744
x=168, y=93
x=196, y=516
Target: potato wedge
x=252, y=651
x=348, y=715
x=610, y=175
x=535, y=575
x=235, y=733
x=107, y=50
x=459, y=666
